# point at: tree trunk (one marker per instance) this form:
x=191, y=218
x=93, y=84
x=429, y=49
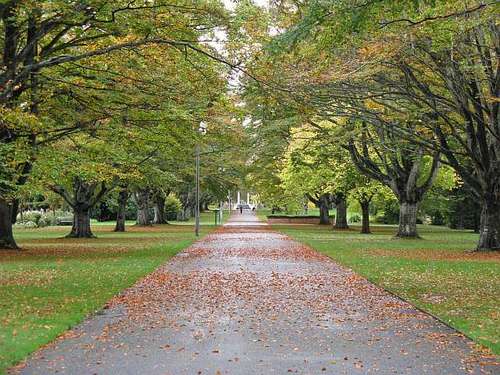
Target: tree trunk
x=365, y=216
x=6, y=236
x=142, y=198
x=86, y=196
x=122, y=207
x=159, y=209
x=477, y=223
x=181, y=215
x=407, y=220
x=324, y=212
x=489, y=233
x=81, y=223
x=341, y=214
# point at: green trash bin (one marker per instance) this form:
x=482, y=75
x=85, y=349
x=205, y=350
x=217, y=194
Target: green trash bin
x=216, y=212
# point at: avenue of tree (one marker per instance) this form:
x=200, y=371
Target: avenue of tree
x=410, y=89
x=333, y=103
x=103, y=98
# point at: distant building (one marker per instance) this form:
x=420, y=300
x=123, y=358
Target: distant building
x=237, y=198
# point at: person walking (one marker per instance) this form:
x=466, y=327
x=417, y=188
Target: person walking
x=241, y=209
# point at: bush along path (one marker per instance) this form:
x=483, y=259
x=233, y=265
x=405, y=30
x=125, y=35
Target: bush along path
x=247, y=300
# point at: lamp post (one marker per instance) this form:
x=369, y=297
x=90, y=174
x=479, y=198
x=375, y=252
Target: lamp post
x=202, y=129
x=220, y=216
x=197, y=193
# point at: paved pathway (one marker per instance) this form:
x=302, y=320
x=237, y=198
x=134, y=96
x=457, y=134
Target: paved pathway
x=247, y=300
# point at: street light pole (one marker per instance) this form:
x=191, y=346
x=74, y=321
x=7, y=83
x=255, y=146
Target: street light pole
x=197, y=193
x=202, y=129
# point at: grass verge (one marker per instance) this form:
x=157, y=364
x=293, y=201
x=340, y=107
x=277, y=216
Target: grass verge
x=54, y=283
x=433, y=273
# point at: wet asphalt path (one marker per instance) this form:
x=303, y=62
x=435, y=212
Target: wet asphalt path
x=247, y=300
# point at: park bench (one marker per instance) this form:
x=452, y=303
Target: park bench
x=65, y=221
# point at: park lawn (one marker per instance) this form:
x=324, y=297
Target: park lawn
x=433, y=273
x=54, y=283
x=206, y=218
x=263, y=213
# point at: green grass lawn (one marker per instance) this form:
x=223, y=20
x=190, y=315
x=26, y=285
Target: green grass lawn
x=434, y=273
x=206, y=218
x=263, y=213
x=54, y=283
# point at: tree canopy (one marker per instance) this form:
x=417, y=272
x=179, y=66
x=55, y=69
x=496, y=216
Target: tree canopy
x=325, y=101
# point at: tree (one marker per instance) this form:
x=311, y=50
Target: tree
x=123, y=196
x=159, y=207
x=82, y=171
x=364, y=201
x=365, y=191
x=84, y=197
x=268, y=126
x=46, y=42
x=463, y=99
x=340, y=200
x=436, y=60
x=307, y=173
x=323, y=202
x=142, y=198
x=319, y=169
x=380, y=154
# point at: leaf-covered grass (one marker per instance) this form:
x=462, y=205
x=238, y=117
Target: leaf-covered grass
x=54, y=283
x=434, y=273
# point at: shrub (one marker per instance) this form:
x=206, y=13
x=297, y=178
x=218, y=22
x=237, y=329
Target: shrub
x=43, y=222
x=172, y=206
x=29, y=216
x=438, y=218
x=355, y=218
x=40, y=219
x=389, y=214
x=464, y=212
x=27, y=224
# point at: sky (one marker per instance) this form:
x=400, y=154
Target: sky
x=220, y=38
x=218, y=43
x=230, y=4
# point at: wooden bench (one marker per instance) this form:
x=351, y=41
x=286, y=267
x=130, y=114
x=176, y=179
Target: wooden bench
x=65, y=221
